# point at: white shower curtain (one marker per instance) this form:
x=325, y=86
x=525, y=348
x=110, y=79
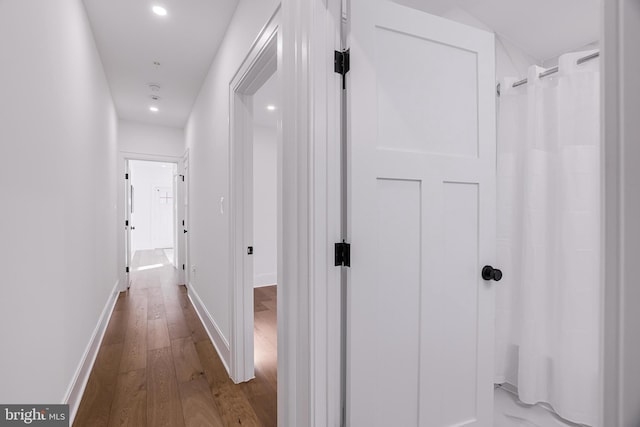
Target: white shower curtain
x=548, y=312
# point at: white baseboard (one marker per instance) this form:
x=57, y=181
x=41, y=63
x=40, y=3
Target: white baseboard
x=81, y=376
x=265, y=279
x=219, y=341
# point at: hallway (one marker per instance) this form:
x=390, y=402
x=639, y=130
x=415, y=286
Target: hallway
x=157, y=367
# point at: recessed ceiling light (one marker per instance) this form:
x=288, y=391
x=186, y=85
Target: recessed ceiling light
x=271, y=107
x=159, y=10
x=153, y=109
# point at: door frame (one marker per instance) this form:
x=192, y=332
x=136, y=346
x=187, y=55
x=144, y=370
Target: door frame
x=620, y=243
x=183, y=242
x=309, y=321
x=128, y=195
x=123, y=241
x=309, y=205
x=259, y=65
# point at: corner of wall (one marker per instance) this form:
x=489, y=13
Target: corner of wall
x=76, y=389
x=217, y=338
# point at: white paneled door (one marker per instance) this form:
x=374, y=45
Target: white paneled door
x=421, y=99
x=128, y=225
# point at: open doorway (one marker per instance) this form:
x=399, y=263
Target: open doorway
x=256, y=219
x=265, y=233
x=151, y=211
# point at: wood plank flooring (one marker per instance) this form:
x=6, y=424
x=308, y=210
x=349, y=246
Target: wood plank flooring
x=261, y=392
x=157, y=367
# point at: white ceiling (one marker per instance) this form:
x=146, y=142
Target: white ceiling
x=541, y=28
x=130, y=37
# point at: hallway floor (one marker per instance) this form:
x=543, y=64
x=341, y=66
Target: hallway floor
x=157, y=367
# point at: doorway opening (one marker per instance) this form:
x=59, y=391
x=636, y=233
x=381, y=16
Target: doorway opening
x=255, y=218
x=265, y=231
x=152, y=210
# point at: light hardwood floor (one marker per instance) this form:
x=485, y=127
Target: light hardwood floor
x=157, y=367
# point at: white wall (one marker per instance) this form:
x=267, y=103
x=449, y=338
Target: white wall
x=511, y=61
x=207, y=139
x=153, y=220
x=265, y=206
x=58, y=130
x=142, y=138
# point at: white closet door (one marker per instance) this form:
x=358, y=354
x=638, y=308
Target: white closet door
x=128, y=222
x=422, y=219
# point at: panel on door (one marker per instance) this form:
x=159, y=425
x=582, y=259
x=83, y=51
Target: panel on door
x=422, y=144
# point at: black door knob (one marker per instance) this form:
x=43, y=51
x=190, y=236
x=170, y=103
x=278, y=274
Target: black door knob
x=490, y=273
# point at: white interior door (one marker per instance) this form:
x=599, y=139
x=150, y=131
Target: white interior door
x=176, y=226
x=421, y=219
x=127, y=224
x=185, y=221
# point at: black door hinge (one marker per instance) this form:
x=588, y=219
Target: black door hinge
x=341, y=65
x=182, y=177
x=126, y=222
x=127, y=269
x=183, y=266
x=183, y=222
x=343, y=254
x=126, y=176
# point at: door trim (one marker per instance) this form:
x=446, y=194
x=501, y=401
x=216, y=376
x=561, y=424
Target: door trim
x=309, y=345
x=620, y=346
x=184, y=242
